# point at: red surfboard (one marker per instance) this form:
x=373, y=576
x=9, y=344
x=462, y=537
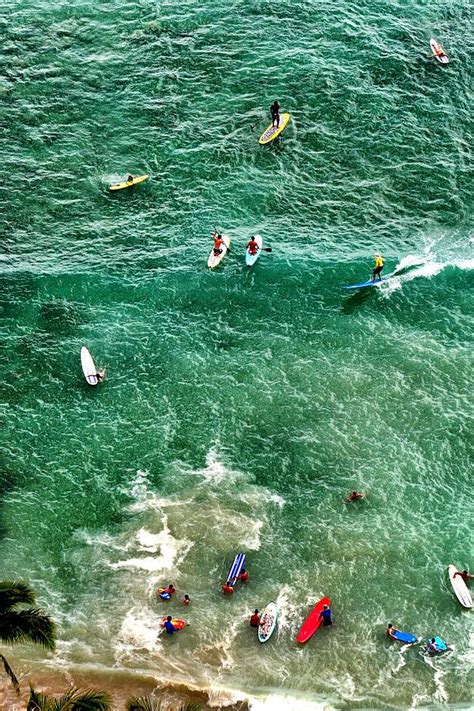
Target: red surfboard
x=177, y=623
x=312, y=622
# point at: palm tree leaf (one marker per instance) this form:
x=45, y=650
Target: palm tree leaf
x=142, y=703
x=15, y=592
x=72, y=700
x=28, y=626
x=11, y=674
x=37, y=701
x=92, y=700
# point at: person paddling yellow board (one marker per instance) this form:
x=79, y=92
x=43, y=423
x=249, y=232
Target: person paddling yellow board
x=129, y=182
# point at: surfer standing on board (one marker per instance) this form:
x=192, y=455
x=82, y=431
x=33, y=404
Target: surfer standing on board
x=275, y=112
x=379, y=262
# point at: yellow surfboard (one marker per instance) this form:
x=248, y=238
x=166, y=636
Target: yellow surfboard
x=128, y=184
x=273, y=131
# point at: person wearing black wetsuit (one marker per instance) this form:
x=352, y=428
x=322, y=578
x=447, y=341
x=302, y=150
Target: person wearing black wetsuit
x=275, y=112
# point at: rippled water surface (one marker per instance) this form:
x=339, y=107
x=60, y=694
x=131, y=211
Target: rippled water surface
x=240, y=406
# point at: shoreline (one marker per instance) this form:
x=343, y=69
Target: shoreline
x=121, y=685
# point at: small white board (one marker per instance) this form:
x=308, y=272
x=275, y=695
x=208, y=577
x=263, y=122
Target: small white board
x=435, y=48
x=215, y=259
x=459, y=586
x=88, y=367
x=250, y=259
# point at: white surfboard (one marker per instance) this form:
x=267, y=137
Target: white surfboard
x=459, y=586
x=250, y=259
x=88, y=367
x=215, y=259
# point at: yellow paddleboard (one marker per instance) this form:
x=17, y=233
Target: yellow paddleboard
x=127, y=184
x=273, y=131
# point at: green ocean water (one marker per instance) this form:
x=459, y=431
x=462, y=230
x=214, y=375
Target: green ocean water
x=240, y=406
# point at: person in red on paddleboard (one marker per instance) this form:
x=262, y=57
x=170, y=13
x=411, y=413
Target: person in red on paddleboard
x=255, y=619
x=252, y=246
x=326, y=616
x=464, y=575
x=218, y=242
x=244, y=576
x=227, y=588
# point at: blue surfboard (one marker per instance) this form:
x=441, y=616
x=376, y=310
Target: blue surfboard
x=236, y=568
x=365, y=284
x=405, y=637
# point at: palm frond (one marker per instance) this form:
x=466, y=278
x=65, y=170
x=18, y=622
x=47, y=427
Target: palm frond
x=15, y=592
x=28, y=626
x=142, y=703
x=91, y=700
x=72, y=700
x=37, y=701
x=11, y=674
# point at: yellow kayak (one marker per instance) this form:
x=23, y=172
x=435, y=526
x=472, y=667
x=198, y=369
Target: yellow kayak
x=129, y=183
x=273, y=131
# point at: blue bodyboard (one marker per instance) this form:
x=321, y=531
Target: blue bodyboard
x=365, y=284
x=235, y=568
x=165, y=596
x=405, y=637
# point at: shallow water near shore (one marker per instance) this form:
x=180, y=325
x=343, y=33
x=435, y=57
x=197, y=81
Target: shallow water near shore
x=240, y=406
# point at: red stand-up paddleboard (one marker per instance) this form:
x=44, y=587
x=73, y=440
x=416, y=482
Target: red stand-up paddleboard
x=312, y=622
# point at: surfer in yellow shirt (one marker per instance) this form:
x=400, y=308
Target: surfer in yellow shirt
x=379, y=262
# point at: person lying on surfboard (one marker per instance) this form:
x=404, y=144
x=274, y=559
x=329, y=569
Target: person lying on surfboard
x=218, y=242
x=391, y=630
x=275, y=113
x=464, y=575
x=252, y=246
x=379, y=262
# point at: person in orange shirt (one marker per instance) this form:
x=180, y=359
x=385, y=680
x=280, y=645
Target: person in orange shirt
x=255, y=619
x=244, y=576
x=218, y=242
x=227, y=588
x=252, y=246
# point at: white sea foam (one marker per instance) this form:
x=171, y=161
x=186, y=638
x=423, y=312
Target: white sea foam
x=251, y=540
x=282, y=702
x=172, y=551
x=139, y=630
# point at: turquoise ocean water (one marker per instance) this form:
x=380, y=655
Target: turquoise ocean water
x=240, y=407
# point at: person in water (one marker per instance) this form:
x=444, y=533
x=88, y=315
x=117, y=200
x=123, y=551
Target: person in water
x=391, y=630
x=168, y=625
x=464, y=575
x=227, y=588
x=255, y=619
x=218, y=242
x=244, y=576
x=252, y=246
x=186, y=600
x=436, y=646
x=275, y=112
x=326, y=616
x=170, y=590
x=100, y=375
x=355, y=496
x=379, y=262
